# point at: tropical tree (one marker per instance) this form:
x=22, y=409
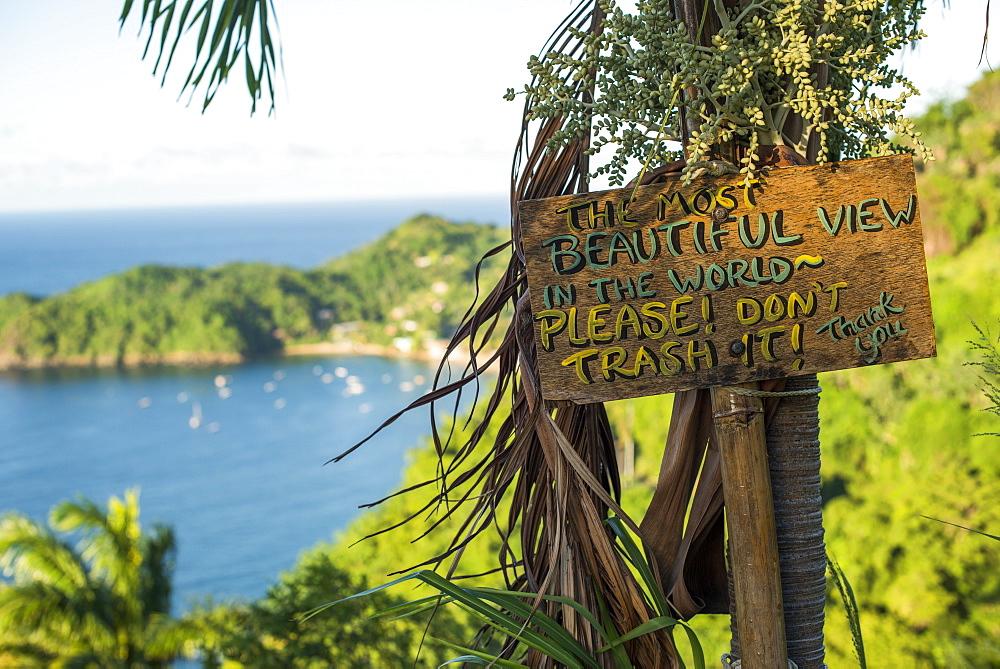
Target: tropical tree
x=963, y=185
x=103, y=601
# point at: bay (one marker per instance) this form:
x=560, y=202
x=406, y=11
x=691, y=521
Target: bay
x=231, y=457
x=244, y=486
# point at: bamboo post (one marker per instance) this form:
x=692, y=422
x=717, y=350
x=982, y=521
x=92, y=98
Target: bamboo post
x=746, y=487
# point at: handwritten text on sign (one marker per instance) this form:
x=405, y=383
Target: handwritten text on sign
x=668, y=287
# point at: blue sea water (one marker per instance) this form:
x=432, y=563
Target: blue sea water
x=246, y=489
x=232, y=457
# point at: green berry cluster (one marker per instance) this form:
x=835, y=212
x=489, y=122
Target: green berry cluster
x=801, y=73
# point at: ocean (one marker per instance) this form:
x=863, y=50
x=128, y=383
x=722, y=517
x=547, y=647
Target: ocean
x=231, y=456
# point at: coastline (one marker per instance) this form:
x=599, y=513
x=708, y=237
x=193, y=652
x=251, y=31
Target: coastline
x=352, y=348
x=432, y=352
x=11, y=363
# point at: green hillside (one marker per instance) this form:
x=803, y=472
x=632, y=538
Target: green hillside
x=154, y=314
x=416, y=281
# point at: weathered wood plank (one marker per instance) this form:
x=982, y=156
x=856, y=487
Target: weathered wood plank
x=668, y=287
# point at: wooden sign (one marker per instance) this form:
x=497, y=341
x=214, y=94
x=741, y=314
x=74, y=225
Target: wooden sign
x=671, y=286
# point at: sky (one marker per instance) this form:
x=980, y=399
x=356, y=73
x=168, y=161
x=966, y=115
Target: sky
x=380, y=100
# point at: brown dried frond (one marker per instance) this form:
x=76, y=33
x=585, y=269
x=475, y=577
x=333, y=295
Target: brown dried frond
x=555, y=466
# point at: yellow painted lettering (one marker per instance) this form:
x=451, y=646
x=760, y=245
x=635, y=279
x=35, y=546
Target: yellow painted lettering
x=774, y=308
x=627, y=318
x=676, y=316
x=748, y=311
x=767, y=336
x=670, y=364
x=580, y=361
x=647, y=311
x=798, y=305
x=553, y=322
x=724, y=199
x=612, y=362
x=834, y=290
x=695, y=353
x=644, y=358
x=595, y=323
x=574, y=329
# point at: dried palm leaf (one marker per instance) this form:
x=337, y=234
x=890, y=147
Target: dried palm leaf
x=555, y=465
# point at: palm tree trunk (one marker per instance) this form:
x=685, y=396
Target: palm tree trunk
x=794, y=461
x=793, y=456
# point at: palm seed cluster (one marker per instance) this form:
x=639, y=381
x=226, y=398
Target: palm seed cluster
x=803, y=73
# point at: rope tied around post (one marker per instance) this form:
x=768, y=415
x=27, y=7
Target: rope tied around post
x=753, y=392
x=730, y=662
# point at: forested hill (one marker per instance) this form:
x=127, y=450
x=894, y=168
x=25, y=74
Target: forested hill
x=154, y=314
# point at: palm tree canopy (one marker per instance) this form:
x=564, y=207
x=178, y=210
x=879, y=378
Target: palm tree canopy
x=103, y=599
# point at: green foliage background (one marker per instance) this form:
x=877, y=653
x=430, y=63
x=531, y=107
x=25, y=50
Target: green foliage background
x=959, y=189
x=270, y=632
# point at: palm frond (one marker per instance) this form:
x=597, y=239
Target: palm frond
x=104, y=599
x=517, y=615
x=237, y=35
x=30, y=552
x=159, y=549
x=109, y=539
x=962, y=527
x=61, y=623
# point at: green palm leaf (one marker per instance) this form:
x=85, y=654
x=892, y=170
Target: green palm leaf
x=31, y=552
x=240, y=30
